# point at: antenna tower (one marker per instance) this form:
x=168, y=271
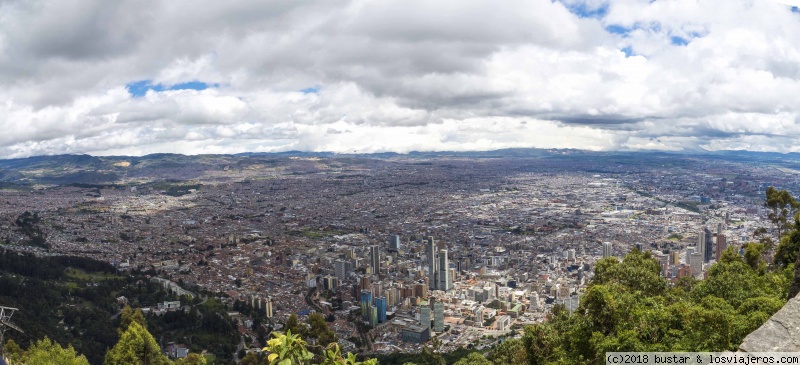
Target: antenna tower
x=5, y=324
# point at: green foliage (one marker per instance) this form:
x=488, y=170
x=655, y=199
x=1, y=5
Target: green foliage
x=46, y=352
x=475, y=358
x=753, y=256
x=509, y=352
x=192, y=359
x=128, y=316
x=630, y=307
x=292, y=325
x=788, y=248
x=289, y=349
x=136, y=346
x=782, y=208
x=319, y=330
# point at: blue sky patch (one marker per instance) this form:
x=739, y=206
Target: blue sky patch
x=618, y=29
x=795, y=9
x=310, y=90
x=628, y=51
x=140, y=88
x=678, y=41
x=583, y=10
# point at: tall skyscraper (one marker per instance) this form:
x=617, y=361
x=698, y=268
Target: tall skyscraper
x=342, y=269
x=709, y=246
x=380, y=303
x=444, y=271
x=438, y=316
x=697, y=263
x=701, y=243
x=433, y=265
x=608, y=249
x=366, y=303
x=394, y=243
x=722, y=244
x=268, y=310
x=674, y=257
x=425, y=316
x=373, y=316
x=534, y=301
x=375, y=259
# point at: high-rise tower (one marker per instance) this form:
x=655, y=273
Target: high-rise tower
x=433, y=265
x=444, y=271
x=608, y=249
x=375, y=259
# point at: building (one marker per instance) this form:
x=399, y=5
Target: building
x=445, y=282
x=380, y=305
x=675, y=257
x=366, y=303
x=433, y=265
x=425, y=316
x=268, y=311
x=375, y=259
x=534, y=305
x=394, y=243
x=701, y=243
x=415, y=334
x=330, y=282
x=373, y=316
x=438, y=316
x=705, y=244
x=503, y=322
x=722, y=244
x=697, y=263
x=608, y=249
x=420, y=290
x=342, y=269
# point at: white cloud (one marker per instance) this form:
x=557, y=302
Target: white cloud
x=398, y=75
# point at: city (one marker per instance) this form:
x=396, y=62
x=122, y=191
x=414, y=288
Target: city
x=396, y=251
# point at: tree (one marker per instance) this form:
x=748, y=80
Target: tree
x=782, y=208
x=476, y=358
x=192, y=359
x=46, y=352
x=293, y=325
x=249, y=359
x=128, y=316
x=13, y=351
x=290, y=349
x=319, y=330
x=753, y=253
x=136, y=346
x=541, y=343
x=509, y=352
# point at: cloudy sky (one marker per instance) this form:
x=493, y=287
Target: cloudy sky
x=137, y=77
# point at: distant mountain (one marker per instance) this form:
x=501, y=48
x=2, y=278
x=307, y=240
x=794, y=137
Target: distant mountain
x=107, y=170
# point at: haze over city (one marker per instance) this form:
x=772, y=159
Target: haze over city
x=133, y=77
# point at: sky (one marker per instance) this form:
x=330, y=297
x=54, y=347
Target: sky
x=196, y=77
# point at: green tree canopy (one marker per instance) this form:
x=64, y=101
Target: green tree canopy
x=319, y=330
x=474, y=358
x=128, y=316
x=293, y=325
x=136, y=346
x=782, y=208
x=46, y=352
